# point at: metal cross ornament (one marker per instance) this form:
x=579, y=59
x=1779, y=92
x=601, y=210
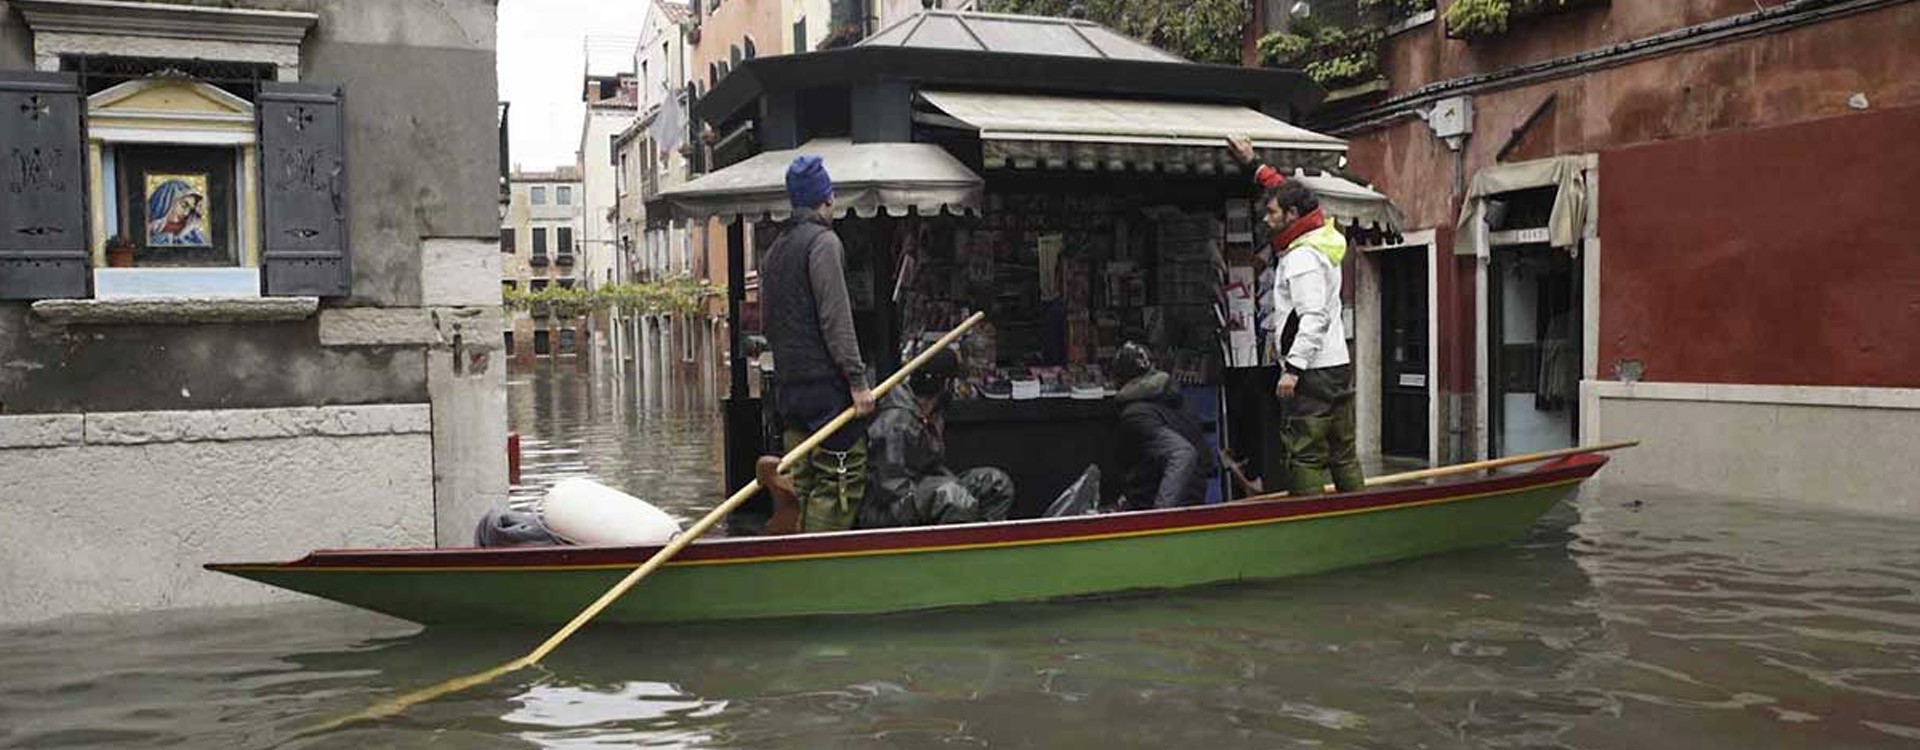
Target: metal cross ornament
x=34, y=108
x=300, y=118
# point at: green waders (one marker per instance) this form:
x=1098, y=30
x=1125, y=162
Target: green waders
x=830, y=484
x=1319, y=433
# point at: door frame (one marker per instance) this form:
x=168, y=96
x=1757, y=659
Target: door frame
x=1369, y=373
x=1588, y=247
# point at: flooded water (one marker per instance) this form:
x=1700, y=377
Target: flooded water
x=641, y=433
x=1632, y=619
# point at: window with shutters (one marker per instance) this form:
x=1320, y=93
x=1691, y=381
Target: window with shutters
x=538, y=194
x=509, y=239
x=138, y=177
x=564, y=245
x=563, y=195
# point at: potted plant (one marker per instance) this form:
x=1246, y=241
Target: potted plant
x=119, y=252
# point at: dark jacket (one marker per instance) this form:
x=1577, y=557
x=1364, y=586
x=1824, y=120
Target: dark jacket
x=1166, y=454
x=908, y=481
x=901, y=450
x=809, y=321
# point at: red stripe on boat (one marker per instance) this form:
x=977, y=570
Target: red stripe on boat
x=934, y=538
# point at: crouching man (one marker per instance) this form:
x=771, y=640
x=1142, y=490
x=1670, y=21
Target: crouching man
x=909, y=483
x=1164, y=449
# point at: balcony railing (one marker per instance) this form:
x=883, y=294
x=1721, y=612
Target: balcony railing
x=538, y=260
x=563, y=259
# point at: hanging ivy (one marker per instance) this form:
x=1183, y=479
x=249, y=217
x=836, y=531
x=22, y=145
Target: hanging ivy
x=1332, y=56
x=677, y=296
x=1473, y=19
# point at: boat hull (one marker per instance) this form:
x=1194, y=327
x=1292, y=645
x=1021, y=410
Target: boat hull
x=898, y=570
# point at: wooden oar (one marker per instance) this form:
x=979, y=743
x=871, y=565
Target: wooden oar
x=403, y=702
x=1468, y=468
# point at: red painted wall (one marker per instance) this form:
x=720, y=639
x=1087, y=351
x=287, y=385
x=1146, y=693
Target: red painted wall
x=1804, y=74
x=1782, y=256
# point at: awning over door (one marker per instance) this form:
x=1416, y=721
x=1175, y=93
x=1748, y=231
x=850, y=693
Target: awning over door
x=1348, y=202
x=868, y=178
x=1032, y=131
x=1559, y=172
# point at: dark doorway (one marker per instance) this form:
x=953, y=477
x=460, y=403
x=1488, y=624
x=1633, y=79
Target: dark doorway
x=1404, y=353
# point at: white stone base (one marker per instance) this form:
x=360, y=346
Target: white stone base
x=119, y=515
x=159, y=283
x=1846, y=448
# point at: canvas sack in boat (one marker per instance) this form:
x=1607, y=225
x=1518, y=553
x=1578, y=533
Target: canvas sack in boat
x=585, y=512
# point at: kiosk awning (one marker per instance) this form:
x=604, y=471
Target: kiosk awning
x=868, y=178
x=1026, y=130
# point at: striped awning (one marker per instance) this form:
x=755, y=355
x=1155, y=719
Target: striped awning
x=1026, y=131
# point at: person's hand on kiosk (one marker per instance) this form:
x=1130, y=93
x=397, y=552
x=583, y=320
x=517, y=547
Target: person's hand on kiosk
x=1242, y=149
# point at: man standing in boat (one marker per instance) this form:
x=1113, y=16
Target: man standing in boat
x=1166, y=453
x=818, y=371
x=1316, y=384
x=911, y=484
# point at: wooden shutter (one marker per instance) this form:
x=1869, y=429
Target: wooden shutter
x=43, y=189
x=303, y=182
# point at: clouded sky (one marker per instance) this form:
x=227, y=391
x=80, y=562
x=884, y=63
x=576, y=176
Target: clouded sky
x=543, y=45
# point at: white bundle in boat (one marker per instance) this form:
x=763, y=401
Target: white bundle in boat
x=589, y=513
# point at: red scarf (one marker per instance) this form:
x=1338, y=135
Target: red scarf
x=1313, y=220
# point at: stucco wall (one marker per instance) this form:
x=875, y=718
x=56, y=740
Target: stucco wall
x=1798, y=75
x=1577, y=30
x=118, y=511
x=422, y=162
x=49, y=368
x=730, y=25
x=1827, y=455
x=421, y=139
x=595, y=242
x=1778, y=256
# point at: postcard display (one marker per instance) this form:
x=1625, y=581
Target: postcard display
x=1065, y=280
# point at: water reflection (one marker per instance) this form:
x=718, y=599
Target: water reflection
x=642, y=432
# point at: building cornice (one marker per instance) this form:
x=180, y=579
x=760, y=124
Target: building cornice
x=120, y=18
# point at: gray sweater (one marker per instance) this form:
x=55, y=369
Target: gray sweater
x=827, y=275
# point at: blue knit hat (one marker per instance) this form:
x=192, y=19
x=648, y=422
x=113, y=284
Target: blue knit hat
x=808, y=184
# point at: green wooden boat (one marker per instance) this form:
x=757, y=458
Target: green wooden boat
x=922, y=568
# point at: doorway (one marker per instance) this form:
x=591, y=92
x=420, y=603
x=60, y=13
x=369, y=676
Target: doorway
x=1404, y=353
x=1534, y=323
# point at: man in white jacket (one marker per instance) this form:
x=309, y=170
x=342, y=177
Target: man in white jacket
x=1316, y=385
